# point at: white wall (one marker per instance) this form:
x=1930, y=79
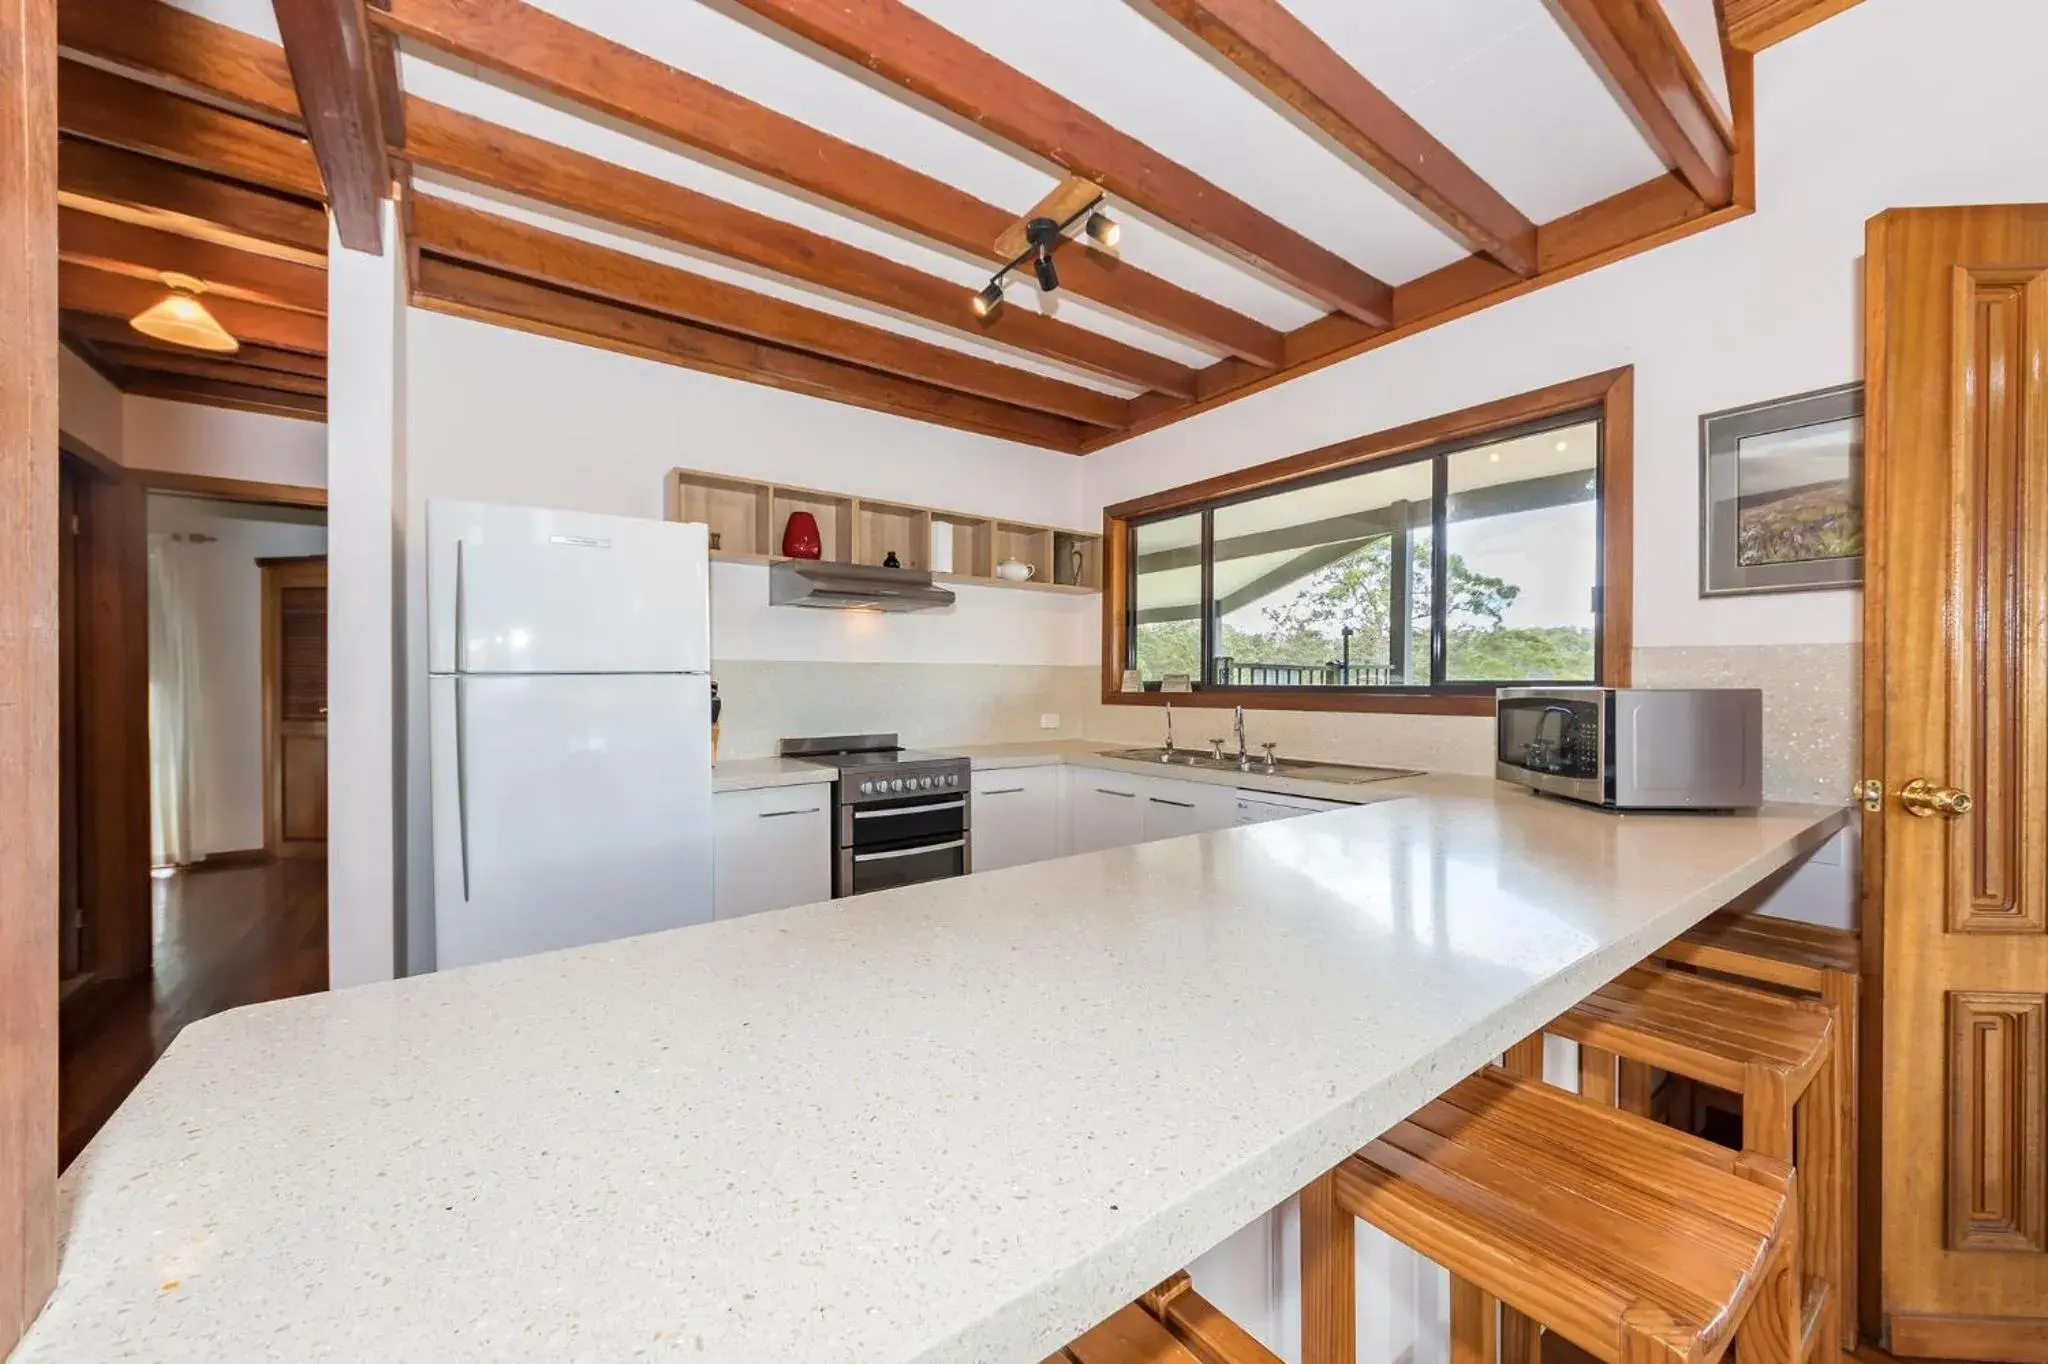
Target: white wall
x=189, y=438
x=88, y=407
x=226, y=601
x=500, y=415
x=1894, y=103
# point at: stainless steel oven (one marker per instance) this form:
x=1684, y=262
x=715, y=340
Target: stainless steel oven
x=1629, y=748
x=899, y=816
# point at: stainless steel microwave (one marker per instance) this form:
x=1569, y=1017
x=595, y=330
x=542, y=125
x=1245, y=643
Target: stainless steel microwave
x=1629, y=748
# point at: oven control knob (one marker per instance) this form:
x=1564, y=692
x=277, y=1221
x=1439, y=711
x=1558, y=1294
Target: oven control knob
x=867, y=788
x=925, y=783
x=896, y=785
x=953, y=781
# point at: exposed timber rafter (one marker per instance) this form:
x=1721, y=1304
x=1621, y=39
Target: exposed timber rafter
x=486, y=296
x=529, y=44
x=1285, y=56
x=333, y=65
x=1633, y=42
x=917, y=54
x=510, y=247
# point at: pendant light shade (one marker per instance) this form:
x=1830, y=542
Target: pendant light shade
x=183, y=320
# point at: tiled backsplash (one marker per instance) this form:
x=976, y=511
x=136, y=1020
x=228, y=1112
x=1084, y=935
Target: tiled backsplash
x=1810, y=707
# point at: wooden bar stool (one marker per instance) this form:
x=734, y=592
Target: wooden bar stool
x=1172, y=1324
x=1631, y=1241
x=1813, y=962
x=1778, y=1054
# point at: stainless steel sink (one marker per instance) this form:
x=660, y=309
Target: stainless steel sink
x=1301, y=768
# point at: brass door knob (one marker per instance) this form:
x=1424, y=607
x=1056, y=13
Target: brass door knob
x=1923, y=798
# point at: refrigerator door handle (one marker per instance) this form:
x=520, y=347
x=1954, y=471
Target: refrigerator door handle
x=461, y=766
x=460, y=638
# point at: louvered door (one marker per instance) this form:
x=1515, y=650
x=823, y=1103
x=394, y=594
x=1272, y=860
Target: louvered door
x=295, y=705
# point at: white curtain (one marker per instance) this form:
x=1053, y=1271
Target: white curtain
x=173, y=701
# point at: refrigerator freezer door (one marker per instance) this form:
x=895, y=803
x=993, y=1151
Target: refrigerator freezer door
x=568, y=810
x=520, y=590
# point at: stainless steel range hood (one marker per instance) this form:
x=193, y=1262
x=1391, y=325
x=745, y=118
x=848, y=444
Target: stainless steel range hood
x=852, y=587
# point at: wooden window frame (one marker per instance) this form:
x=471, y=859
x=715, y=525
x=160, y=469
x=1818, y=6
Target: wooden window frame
x=1610, y=395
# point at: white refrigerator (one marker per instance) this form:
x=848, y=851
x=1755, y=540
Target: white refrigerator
x=569, y=664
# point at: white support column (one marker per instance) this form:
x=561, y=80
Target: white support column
x=365, y=609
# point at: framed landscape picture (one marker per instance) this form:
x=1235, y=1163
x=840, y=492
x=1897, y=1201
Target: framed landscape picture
x=1781, y=495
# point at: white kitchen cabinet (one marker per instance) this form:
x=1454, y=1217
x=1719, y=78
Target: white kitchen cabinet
x=1104, y=809
x=1016, y=817
x=1173, y=808
x=1262, y=807
x=772, y=848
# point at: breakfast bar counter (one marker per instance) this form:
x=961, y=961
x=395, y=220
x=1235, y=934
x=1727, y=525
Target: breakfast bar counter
x=961, y=1121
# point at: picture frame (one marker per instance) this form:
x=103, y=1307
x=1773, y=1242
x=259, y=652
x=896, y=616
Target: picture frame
x=1781, y=495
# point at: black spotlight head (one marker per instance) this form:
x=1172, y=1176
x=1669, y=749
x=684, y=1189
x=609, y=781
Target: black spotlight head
x=989, y=299
x=1048, y=273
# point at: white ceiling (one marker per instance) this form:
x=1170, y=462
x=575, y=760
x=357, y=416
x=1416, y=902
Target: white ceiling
x=1498, y=81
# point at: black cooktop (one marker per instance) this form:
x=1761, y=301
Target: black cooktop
x=849, y=751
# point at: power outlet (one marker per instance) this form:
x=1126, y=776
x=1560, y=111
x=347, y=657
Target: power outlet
x=1048, y=721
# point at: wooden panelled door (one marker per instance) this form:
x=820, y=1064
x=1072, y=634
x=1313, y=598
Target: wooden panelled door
x=295, y=706
x=1956, y=741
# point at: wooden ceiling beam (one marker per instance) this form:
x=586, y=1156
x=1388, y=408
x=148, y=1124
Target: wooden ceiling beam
x=327, y=44
x=1286, y=57
x=1754, y=25
x=108, y=333
x=180, y=388
x=104, y=107
x=144, y=360
x=453, y=231
x=196, y=56
x=441, y=139
x=141, y=189
x=1633, y=42
x=466, y=291
x=84, y=290
x=234, y=66
x=919, y=55
x=529, y=44
x=146, y=253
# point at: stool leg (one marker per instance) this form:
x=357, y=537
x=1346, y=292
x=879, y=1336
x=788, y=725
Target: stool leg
x=1769, y=1333
x=1329, y=1277
x=1473, y=1317
x=1632, y=1091
x=1839, y=990
x=1817, y=1119
x=1521, y=1339
x=1596, y=1075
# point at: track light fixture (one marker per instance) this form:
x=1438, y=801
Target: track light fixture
x=1048, y=273
x=1044, y=236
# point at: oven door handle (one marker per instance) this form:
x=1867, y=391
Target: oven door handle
x=910, y=852
x=960, y=804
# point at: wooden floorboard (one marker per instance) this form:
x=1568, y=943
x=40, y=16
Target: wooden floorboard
x=224, y=938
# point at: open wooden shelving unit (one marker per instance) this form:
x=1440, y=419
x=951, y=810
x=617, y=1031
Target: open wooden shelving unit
x=747, y=517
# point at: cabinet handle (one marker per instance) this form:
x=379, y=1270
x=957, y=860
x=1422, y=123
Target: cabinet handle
x=1176, y=804
x=1001, y=791
x=779, y=814
x=1105, y=791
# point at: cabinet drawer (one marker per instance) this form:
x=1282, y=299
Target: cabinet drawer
x=1016, y=817
x=773, y=848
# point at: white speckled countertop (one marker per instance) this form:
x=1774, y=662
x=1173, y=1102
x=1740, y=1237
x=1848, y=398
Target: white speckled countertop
x=755, y=774
x=960, y=1121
